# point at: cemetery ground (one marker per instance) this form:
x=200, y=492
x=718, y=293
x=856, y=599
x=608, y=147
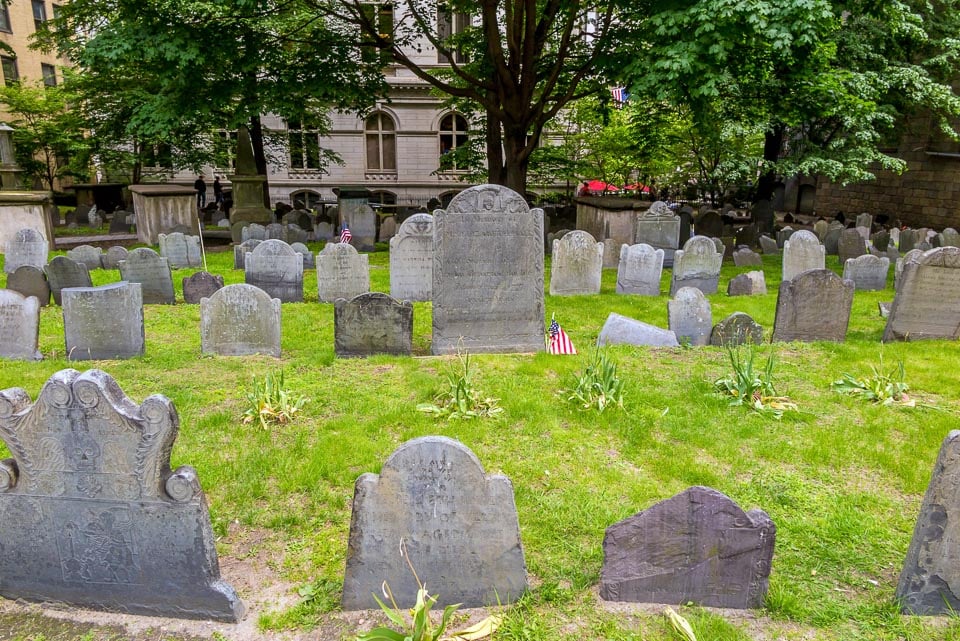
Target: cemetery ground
x=842, y=479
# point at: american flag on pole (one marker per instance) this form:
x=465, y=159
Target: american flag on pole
x=560, y=343
x=345, y=235
x=620, y=96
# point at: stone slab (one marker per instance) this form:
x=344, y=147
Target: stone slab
x=736, y=329
x=103, y=322
x=152, y=272
x=30, y=281
x=620, y=330
x=62, y=273
x=814, y=306
x=239, y=320
x=639, y=270
x=372, y=323
x=200, y=285
x=19, y=326
x=927, y=302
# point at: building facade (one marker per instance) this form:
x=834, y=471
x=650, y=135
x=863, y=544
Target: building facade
x=19, y=20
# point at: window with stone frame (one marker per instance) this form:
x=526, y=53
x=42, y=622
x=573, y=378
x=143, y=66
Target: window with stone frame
x=5, y=18
x=450, y=24
x=303, y=141
x=39, y=13
x=381, y=142
x=49, y=75
x=453, y=134
x=11, y=75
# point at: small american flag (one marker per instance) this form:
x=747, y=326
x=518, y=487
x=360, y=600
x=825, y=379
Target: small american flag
x=345, y=235
x=559, y=341
x=620, y=96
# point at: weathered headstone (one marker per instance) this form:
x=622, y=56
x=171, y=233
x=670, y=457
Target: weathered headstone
x=802, y=252
x=240, y=252
x=867, y=272
x=736, y=329
x=181, y=250
x=686, y=224
x=309, y=260
x=200, y=285
x=577, y=265
x=112, y=257
x=927, y=303
x=27, y=247
x=62, y=272
x=949, y=237
x=744, y=257
x=611, y=254
x=118, y=223
x=865, y=220
x=411, y=259
x=388, y=229
x=850, y=245
x=91, y=513
x=697, y=546
x=697, y=265
x=86, y=254
x=238, y=320
x=831, y=241
x=814, y=306
x=147, y=267
x=639, y=270
x=895, y=236
x=689, y=316
x=659, y=228
x=433, y=504
x=783, y=235
x=19, y=327
x=275, y=268
x=820, y=229
x=362, y=221
x=103, y=322
x=909, y=238
x=768, y=245
x=276, y=231
x=709, y=224
x=342, y=272
x=749, y=284
x=372, y=323
x=881, y=240
x=30, y=281
x=763, y=215
x=620, y=330
x=253, y=231
x=720, y=245
x=323, y=231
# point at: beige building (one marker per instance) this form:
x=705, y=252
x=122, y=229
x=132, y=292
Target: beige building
x=18, y=22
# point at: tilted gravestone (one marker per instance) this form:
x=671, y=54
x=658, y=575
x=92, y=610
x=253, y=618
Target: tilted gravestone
x=639, y=270
x=659, y=228
x=372, y=323
x=112, y=257
x=620, y=330
x=697, y=546
x=30, y=281
x=736, y=329
x=850, y=245
x=27, y=247
x=342, y=272
x=802, y=252
x=103, y=322
x=253, y=231
x=433, y=504
x=689, y=316
x=309, y=260
x=814, y=306
x=768, y=245
x=744, y=257
x=181, y=250
x=91, y=513
x=19, y=327
x=577, y=265
x=147, y=267
x=927, y=303
x=697, y=265
x=238, y=320
x=868, y=272
x=275, y=268
x=62, y=272
x=200, y=285
x=783, y=235
x=488, y=273
x=240, y=252
x=411, y=259
x=86, y=254
x=749, y=284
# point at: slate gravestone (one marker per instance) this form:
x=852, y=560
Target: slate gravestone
x=898, y=266
x=850, y=245
x=881, y=240
x=639, y=270
x=736, y=329
x=362, y=221
x=749, y=284
x=411, y=259
x=577, y=265
x=119, y=224
x=814, y=306
x=768, y=245
x=342, y=272
x=864, y=233
x=783, y=236
x=620, y=330
x=659, y=227
x=865, y=220
x=909, y=238
x=867, y=272
x=611, y=254
x=927, y=303
x=238, y=320
x=147, y=267
x=457, y=525
x=820, y=229
x=276, y=231
x=372, y=323
x=831, y=242
x=709, y=224
x=488, y=273
x=895, y=236
x=89, y=256
x=90, y=512
x=323, y=231
x=697, y=546
x=30, y=281
x=720, y=246
x=181, y=250
x=309, y=261
x=763, y=215
x=746, y=235
x=200, y=285
x=27, y=247
x=112, y=257
x=275, y=268
x=949, y=237
x=686, y=223
x=253, y=231
x=62, y=272
x=236, y=231
x=697, y=265
x=747, y=257
x=802, y=252
x=240, y=251
x=103, y=322
x=930, y=580
x=19, y=327
x=388, y=229
x=689, y=316
x=81, y=214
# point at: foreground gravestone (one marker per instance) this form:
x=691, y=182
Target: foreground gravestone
x=433, y=504
x=147, y=267
x=749, y=284
x=19, y=327
x=62, y=273
x=238, y=320
x=698, y=546
x=868, y=272
x=620, y=330
x=342, y=272
x=27, y=247
x=639, y=270
x=488, y=273
x=689, y=316
x=103, y=322
x=200, y=285
x=745, y=257
x=697, y=265
x=277, y=269
x=736, y=329
x=411, y=259
x=112, y=257
x=372, y=323
x=240, y=252
x=86, y=254
x=927, y=303
x=802, y=252
x=659, y=228
x=30, y=281
x=577, y=265
x=181, y=250
x=90, y=512
x=814, y=306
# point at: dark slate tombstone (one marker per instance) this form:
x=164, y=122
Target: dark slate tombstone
x=237, y=231
x=783, y=235
x=240, y=251
x=697, y=265
x=747, y=258
x=698, y=546
x=238, y=320
x=119, y=224
x=814, y=306
x=112, y=257
x=620, y=330
x=433, y=504
x=86, y=254
x=763, y=215
x=689, y=316
x=927, y=303
x=30, y=281
x=850, y=245
x=70, y=218
x=577, y=265
x=881, y=240
x=411, y=259
x=709, y=224
x=276, y=231
x=736, y=329
x=275, y=268
x=147, y=267
x=91, y=513
x=19, y=327
x=639, y=270
x=103, y=322
x=831, y=241
x=749, y=284
x=372, y=323
x=686, y=222
x=62, y=272
x=200, y=285
x=27, y=247
x=181, y=250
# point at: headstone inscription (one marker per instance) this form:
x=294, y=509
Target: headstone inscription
x=640, y=269
x=659, y=228
x=927, y=302
x=200, y=285
x=238, y=320
x=30, y=281
x=342, y=272
x=697, y=265
x=275, y=268
x=868, y=272
x=621, y=330
x=577, y=265
x=62, y=273
x=411, y=259
x=27, y=247
x=147, y=267
x=19, y=326
x=103, y=322
x=181, y=250
x=690, y=317
x=433, y=504
x=814, y=306
x=91, y=513
x=86, y=254
x=802, y=252
x=736, y=329
x=372, y=323
x=112, y=257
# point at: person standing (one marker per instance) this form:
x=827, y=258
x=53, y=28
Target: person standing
x=217, y=191
x=201, y=188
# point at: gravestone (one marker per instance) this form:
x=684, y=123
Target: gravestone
x=927, y=303
x=27, y=247
x=240, y=252
x=709, y=224
x=867, y=272
x=747, y=258
x=850, y=245
x=719, y=244
x=768, y=245
x=949, y=237
x=895, y=236
x=275, y=268
x=89, y=256
x=689, y=316
x=253, y=231
x=697, y=265
x=802, y=252
x=611, y=254
x=372, y=323
x=388, y=229
x=924, y=245
x=881, y=240
x=309, y=260
x=323, y=231
x=831, y=242
x=820, y=229
x=620, y=330
x=92, y=515
x=223, y=223
x=746, y=235
x=639, y=270
x=749, y=284
x=864, y=233
x=62, y=272
x=236, y=231
x=362, y=221
x=686, y=223
x=736, y=329
x=119, y=224
x=814, y=306
x=433, y=504
x=19, y=326
x=103, y=322
x=342, y=272
x=763, y=215
x=783, y=235
x=898, y=266
x=488, y=273
x=411, y=259
x=30, y=281
x=909, y=238
x=865, y=220
x=659, y=228
x=276, y=231
x=112, y=257
x=238, y=320
x=147, y=267
x=577, y=265
x=181, y=250
x=199, y=286
x=698, y=546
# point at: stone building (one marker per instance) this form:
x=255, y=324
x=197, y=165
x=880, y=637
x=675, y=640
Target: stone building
x=18, y=21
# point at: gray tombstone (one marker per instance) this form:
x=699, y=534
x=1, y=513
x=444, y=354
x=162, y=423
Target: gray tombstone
x=323, y=231
x=689, y=316
x=686, y=222
x=62, y=272
x=611, y=254
x=19, y=326
x=92, y=515
x=342, y=272
x=30, y=281
x=881, y=240
x=831, y=241
x=240, y=252
x=488, y=273
x=577, y=265
x=223, y=223
x=749, y=284
x=639, y=270
x=924, y=245
x=433, y=504
x=411, y=259
x=118, y=223
x=86, y=254
x=763, y=215
x=112, y=257
x=895, y=236
x=865, y=220
x=620, y=330
x=277, y=231
x=720, y=245
x=868, y=272
x=927, y=302
x=820, y=229
x=253, y=231
x=181, y=250
x=744, y=257
x=746, y=235
x=659, y=228
x=709, y=224
x=238, y=320
x=26, y=247
x=372, y=323
x=309, y=260
x=697, y=265
x=898, y=266
x=864, y=232
x=388, y=228
x=103, y=322
x=850, y=245
x=697, y=546
x=909, y=238
x=147, y=267
x=949, y=237
x=783, y=235
x=768, y=246
x=736, y=329
x=362, y=220
x=814, y=306
x=802, y=252
x=200, y=285
x=275, y=268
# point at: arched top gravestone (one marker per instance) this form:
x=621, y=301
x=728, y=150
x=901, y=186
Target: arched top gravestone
x=152, y=271
x=63, y=272
x=238, y=320
x=411, y=259
x=27, y=247
x=86, y=254
x=639, y=270
x=342, y=272
x=814, y=306
x=30, y=281
x=697, y=265
x=19, y=326
x=112, y=257
x=277, y=269
x=181, y=250
x=927, y=304
x=577, y=265
x=802, y=252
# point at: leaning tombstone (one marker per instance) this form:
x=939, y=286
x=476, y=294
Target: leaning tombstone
x=621, y=330
x=868, y=272
x=86, y=254
x=240, y=252
x=342, y=272
x=147, y=267
x=27, y=247
x=577, y=265
x=19, y=326
x=62, y=272
x=253, y=231
x=927, y=302
x=749, y=284
x=181, y=250
x=659, y=228
x=94, y=515
x=432, y=506
x=689, y=316
x=768, y=245
x=850, y=245
x=697, y=265
x=112, y=257
x=372, y=323
x=783, y=236
x=814, y=306
x=238, y=320
x=411, y=259
x=639, y=270
x=275, y=268
x=736, y=329
x=30, y=281
x=103, y=322
x=200, y=285
x=698, y=546
x=745, y=257
x=802, y=251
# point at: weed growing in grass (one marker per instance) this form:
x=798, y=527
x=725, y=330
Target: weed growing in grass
x=750, y=387
x=680, y=625
x=597, y=386
x=886, y=388
x=461, y=399
x=270, y=403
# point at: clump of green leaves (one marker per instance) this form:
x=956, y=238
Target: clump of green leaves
x=461, y=399
x=597, y=386
x=269, y=403
x=750, y=386
x=680, y=625
x=884, y=387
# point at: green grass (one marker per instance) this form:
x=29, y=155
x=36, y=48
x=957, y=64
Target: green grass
x=841, y=479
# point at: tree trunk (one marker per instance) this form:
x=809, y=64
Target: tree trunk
x=259, y=156
x=772, y=143
x=496, y=172
x=515, y=162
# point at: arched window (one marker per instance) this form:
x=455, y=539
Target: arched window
x=453, y=134
x=306, y=199
x=381, y=136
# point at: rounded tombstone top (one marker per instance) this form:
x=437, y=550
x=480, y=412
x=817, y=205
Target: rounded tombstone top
x=689, y=295
x=333, y=249
x=300, y=248
x=28, y=235
x=417, y=225
x=438, y=453
x=939, y=257
x=700, y=245
x=273, y=247
x=802, y=237
x=231, y=293
x=577, y=239
x=488, y=198
x=142, y=253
